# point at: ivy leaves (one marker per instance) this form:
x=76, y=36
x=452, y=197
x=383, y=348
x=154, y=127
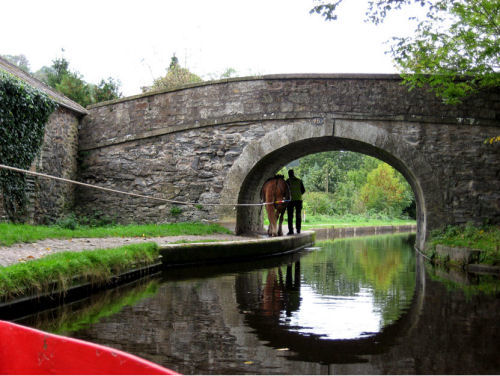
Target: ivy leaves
x=24, y=111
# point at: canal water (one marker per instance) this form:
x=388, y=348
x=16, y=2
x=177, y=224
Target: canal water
x=350, y=306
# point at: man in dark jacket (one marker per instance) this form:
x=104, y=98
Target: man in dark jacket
x=296, y=190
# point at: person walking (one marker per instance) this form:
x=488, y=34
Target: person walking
x=297, y=190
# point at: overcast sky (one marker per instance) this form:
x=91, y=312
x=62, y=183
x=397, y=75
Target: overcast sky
x=133, y=41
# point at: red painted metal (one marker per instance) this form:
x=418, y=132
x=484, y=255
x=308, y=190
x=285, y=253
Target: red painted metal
x=29, y=351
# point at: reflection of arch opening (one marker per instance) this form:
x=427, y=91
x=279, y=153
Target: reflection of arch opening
x=312, y=347
x=264, y=157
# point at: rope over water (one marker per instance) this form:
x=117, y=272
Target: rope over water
x=39, y=174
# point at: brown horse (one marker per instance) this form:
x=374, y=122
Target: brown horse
x=276, y=194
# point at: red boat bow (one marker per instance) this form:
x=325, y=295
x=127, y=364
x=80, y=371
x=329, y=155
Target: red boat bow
x=25, y=351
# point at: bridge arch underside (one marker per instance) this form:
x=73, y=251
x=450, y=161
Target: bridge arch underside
x=249, y=218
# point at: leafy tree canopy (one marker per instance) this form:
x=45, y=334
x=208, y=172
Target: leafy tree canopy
x=19, y=61
x=455, y=50
x=176, y=76
x=70, y=83
x=343, y=182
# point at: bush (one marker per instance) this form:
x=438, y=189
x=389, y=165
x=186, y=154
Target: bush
x=68, y=222
x=175, y=210
x=319, y=203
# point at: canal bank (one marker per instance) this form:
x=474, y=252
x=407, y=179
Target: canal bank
x=200, y=253
x=169, y=255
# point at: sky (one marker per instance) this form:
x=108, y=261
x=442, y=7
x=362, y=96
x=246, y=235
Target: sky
x=133, y=41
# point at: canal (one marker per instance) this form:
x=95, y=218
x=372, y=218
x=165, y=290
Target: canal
x=366, y=305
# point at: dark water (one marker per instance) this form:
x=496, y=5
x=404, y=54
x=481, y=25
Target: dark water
x=352, y=306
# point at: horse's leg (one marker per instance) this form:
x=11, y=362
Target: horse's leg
x=281, y=217
x=275, y=222
x=272, y=221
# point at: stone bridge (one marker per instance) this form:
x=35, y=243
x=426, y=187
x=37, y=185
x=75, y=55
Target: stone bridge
x=217, y=142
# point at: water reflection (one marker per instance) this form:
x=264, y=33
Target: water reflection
x=354, y=306
x=350, y=289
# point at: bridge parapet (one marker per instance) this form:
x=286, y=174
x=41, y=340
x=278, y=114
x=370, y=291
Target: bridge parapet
x=276, y=97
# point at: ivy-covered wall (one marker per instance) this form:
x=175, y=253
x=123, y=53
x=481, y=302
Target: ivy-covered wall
x=24, y=111
x=52, y=146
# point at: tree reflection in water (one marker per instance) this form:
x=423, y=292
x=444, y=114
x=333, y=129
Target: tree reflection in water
x=350, y=289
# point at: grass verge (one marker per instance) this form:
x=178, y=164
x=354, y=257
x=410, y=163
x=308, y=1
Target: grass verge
x=353, y=220
x=17, y=233
x=62, y=270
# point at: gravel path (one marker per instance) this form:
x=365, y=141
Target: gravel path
x=28, y=251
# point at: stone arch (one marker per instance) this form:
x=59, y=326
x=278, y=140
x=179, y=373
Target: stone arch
x=294, y=139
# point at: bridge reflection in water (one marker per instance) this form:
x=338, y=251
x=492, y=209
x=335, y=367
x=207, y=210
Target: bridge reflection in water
x=355, y=306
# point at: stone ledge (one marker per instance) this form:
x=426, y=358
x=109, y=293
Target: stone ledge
x=345, y=232
x=214, y=252
x=460, y=255
x=483, y=269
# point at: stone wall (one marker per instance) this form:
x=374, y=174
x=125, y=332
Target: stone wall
x=216, y=143
x=58, y=157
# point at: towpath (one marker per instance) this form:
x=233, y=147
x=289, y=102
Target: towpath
x=22, y=252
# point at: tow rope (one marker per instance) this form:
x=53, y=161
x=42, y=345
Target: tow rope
x=39, y=174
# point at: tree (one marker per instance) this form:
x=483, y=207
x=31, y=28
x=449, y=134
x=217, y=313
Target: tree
x=384, y=191
x=57, y=71
x=324, y=171
x=71, y=84
x=107, y=90
x=74, y=87
x=455, y=50
x=176, y=76
x=19, y=61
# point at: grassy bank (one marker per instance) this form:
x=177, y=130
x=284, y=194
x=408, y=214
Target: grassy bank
x=60, y=271
x=319, y=221
x=18, y=233
x=485, y=238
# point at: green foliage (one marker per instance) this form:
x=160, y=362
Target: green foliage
x=454, y=51
x=107, y=90
x=175, y=210
x=325, y=171
x=74, y=87
x=24, y=111
x=356, y=187
x=176, y=76
x=384, y=192
x=19, y=61
x=318, y=203
x=227, y=73
x=456, y=61
x=486, y=238
x=72, y=84
x=68, y=222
